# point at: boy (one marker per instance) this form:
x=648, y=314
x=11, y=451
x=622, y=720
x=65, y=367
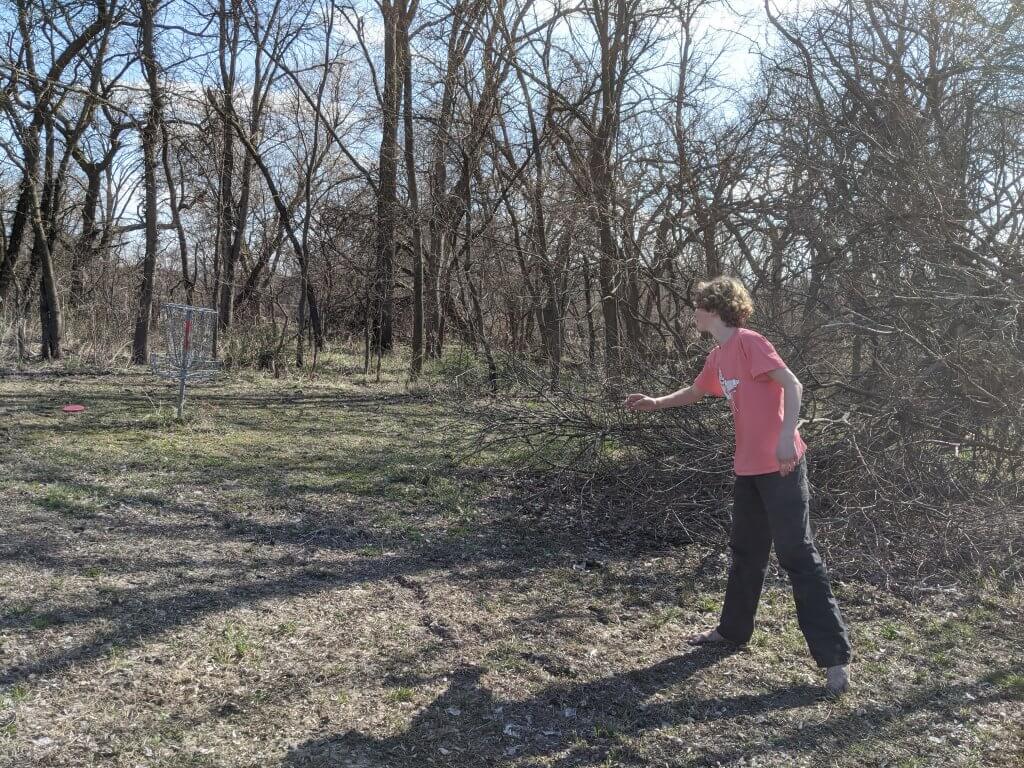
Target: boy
x=770, y=495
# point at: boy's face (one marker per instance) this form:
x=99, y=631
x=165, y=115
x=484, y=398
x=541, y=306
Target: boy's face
x=704, y=319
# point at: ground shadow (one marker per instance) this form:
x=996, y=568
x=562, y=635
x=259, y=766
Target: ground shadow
x=467, y=726
x=598, y=723
x=574, y=724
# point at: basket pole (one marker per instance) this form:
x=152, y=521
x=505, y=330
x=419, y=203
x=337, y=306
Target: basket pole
x=183, y=373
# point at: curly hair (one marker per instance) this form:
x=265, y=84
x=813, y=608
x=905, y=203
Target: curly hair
x=728, y=298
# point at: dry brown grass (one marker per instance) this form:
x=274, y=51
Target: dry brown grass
x=302, y=574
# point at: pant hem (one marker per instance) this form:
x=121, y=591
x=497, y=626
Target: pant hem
x=730, y=640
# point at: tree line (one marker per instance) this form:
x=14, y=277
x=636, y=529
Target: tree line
x=544, y=180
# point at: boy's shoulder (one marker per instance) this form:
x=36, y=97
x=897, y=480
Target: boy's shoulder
x=750, y=333
x=751, y=338
x=738, y=341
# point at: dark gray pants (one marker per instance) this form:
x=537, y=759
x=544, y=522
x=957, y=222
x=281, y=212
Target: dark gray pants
x=772, y=508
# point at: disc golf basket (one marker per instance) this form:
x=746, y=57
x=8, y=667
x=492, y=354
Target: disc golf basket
x=188, y=353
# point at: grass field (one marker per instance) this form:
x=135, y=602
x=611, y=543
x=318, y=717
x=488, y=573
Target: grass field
x=304, y=573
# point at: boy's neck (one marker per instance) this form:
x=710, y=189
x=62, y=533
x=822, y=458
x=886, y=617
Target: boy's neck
x=722, y=332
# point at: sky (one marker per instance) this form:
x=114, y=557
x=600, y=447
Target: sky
x=744, y=27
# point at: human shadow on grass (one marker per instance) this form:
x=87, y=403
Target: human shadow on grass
x=871, y=723
x=468, y=726
x=570, y=726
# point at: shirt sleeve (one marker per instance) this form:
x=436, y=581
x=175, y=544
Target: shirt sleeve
x=707, y=379
x=761, y=355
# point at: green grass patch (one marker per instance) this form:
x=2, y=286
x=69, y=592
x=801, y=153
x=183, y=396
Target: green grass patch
x=17, y=609
x=400, y=695
x=506, y=657
x=666, y=616
x=890, y=631
x=1010, y=682
x=287, y=629
x=706, y=604
x=18, y=693
x=232, y=645
x=67, y=500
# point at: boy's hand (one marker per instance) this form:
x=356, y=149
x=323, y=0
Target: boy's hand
x=638, y=402
x=785, y=452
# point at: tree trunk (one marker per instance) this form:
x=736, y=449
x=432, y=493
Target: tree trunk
x=179, y=228
x=414, y=205
x=84, y=252
x=465, y=19
x=228, y=220
x=45, y=227
x=387, y=196
x=150, y=148
x=21, y=222
x=589, y=307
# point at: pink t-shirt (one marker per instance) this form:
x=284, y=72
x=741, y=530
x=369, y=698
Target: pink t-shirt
x=738, y=370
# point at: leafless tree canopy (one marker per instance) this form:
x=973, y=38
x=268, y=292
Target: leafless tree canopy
x=542, y=183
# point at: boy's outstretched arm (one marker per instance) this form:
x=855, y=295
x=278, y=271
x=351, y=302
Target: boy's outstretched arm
x=793, y=392
x=685, y=396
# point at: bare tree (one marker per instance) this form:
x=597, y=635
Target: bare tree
x=151, y=143
x=35, y=125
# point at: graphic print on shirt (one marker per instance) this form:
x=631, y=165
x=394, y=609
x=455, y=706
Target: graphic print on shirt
x=728, y=385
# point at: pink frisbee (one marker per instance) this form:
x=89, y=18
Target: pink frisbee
x=73, y=408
